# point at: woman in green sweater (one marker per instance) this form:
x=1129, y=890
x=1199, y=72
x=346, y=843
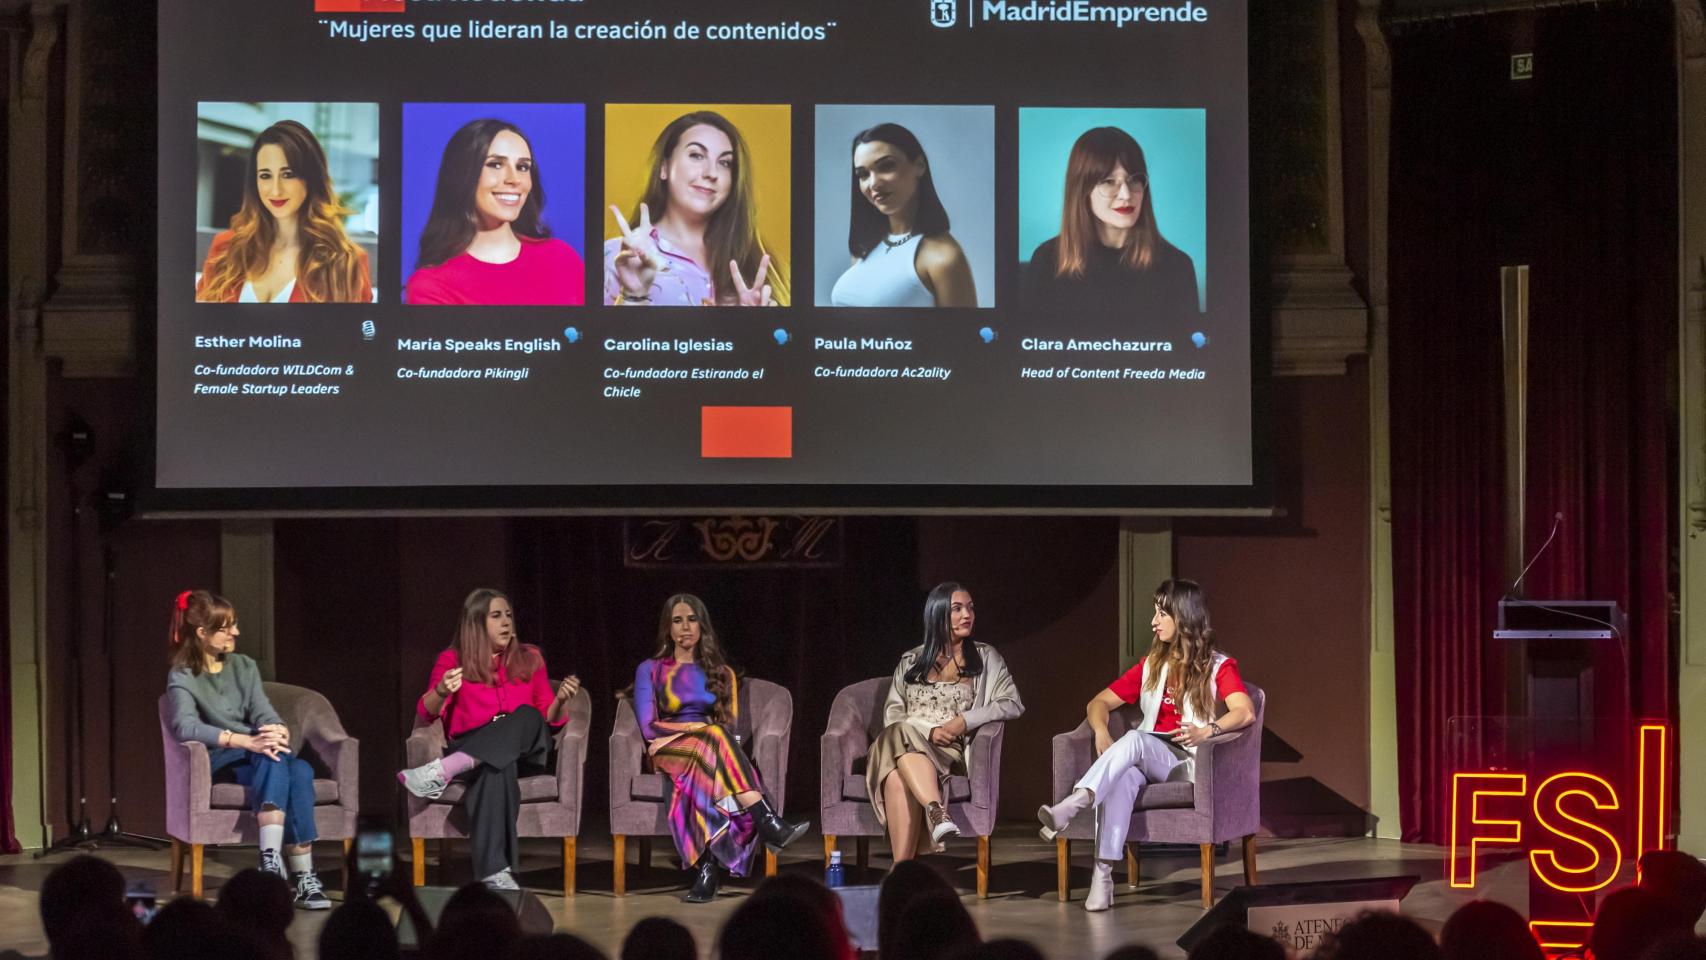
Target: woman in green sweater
x=217, y=700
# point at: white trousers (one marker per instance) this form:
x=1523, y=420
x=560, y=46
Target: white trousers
x=1135, y=759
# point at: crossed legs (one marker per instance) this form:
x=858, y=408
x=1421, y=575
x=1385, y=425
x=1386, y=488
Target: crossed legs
x=907, y=793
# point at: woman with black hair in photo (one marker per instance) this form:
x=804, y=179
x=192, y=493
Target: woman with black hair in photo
x=943, y=690
x=1110, y=254
x=686, y=699
x=1177, y=686
x=486, y=241
x=903, y=254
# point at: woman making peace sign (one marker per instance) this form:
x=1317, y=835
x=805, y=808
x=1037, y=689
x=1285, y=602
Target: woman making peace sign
x=704, y=249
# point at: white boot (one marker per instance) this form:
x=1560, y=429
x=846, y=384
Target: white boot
x=1101, y=895
x=1055, y=818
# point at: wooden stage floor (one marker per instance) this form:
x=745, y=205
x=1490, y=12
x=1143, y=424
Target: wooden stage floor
x=1022, y=901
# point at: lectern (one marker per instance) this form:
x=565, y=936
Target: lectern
x=1570, y=664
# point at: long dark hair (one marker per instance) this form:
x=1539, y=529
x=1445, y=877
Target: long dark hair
x=938, y=630
x=451, y=225
x=1189, y=659
x=474, y=649
x=197, y=610
x=708, y=653
x=732, y=231
x=330, y=267
x=866, y=225
x=1094, y=155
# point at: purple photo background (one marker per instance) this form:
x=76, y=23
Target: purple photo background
x=557, y=133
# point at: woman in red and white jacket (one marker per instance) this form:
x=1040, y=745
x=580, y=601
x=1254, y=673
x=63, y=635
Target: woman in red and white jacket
x=1178, y=687
x=499, y=710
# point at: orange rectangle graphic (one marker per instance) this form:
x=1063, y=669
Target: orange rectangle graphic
x=746, y=432
x=359, y=6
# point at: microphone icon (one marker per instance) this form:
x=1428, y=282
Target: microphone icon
x=368, y=330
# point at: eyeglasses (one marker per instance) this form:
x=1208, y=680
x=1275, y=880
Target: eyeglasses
x=1110, y=187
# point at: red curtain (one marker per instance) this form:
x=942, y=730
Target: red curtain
x=1572, y=172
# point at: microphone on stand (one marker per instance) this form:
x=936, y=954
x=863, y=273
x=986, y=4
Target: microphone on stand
x=1557, y=521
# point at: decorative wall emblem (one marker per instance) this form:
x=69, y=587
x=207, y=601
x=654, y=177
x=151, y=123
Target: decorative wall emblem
x=732, y=542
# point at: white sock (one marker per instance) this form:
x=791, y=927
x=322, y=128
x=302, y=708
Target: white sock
x=300, y=863
x=272, y=836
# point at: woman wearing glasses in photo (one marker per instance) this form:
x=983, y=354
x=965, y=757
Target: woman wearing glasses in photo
x=903, y=254
x=1110, y=254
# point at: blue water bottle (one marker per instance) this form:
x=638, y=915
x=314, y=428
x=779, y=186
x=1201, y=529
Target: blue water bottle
x=834, y=876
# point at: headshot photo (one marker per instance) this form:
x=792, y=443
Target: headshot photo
x=478, y=226
x=697, y=206
x=1113, y=210
x=287, y=202
x=904, y=206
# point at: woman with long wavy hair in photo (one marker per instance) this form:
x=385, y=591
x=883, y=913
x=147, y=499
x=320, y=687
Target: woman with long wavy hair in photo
x=499, y=711
x=287, y=242
x=1178, y=687
x=703, y=249
x=686, y=699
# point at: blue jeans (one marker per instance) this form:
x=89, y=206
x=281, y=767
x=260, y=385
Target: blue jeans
x=285, y=784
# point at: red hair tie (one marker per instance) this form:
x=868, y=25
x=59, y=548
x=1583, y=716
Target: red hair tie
x=184, y=600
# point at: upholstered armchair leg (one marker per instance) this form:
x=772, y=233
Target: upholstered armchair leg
x=983, y=868
x=646, y=855
x=568, y=867
x=1062, y=864
x=828, y=848
x=1207, y=875
x=196, y=850
x=1131, y=865
x=177, y=865
x=862, y=852
x=769, y=862
x=345, y=871
x=1250, y=860
x=417, y=851
x=619, y=863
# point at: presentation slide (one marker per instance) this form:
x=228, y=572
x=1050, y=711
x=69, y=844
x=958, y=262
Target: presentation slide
x=979, y=253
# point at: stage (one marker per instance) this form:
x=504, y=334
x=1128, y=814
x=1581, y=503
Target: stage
x=1022, y=901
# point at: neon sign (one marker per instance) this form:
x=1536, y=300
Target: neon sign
x=1573, y=818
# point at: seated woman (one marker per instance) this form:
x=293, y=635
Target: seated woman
x=217, y=700
x=903, y=254
x=686, y=699
x=485, y=241
x=943, y=691
x=498, y=709
x=1110, y=254
x=704, y=245
x=287, y=242
x=1177, y=686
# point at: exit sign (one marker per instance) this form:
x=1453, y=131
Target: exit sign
x=1522, y=66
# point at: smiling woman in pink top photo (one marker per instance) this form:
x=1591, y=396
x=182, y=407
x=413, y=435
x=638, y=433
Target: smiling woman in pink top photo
x=486, y=241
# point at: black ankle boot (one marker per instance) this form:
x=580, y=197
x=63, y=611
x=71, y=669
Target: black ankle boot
x=772, y=829
x=708, y=875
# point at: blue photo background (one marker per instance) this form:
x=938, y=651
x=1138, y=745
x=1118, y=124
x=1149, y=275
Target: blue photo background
x=1174, y=143
x=557, y=133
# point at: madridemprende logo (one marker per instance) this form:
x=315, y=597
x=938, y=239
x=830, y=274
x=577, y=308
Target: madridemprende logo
x=359, y=6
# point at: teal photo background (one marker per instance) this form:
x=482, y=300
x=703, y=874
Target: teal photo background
x=1174, y=143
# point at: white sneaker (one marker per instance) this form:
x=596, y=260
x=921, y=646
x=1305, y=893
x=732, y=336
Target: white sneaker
x=1055, y=819
x=502, y=880
x=1101, y=895
x=941, y=827
x=427, y=780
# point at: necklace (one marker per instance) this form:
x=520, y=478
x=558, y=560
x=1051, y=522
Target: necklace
x=890, y=241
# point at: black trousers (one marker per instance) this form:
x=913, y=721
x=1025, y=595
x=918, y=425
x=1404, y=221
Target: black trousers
x=493, y=798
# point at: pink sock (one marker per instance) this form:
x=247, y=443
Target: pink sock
x=457, y=764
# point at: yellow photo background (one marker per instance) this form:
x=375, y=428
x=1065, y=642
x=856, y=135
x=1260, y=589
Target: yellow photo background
x=630, y=129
